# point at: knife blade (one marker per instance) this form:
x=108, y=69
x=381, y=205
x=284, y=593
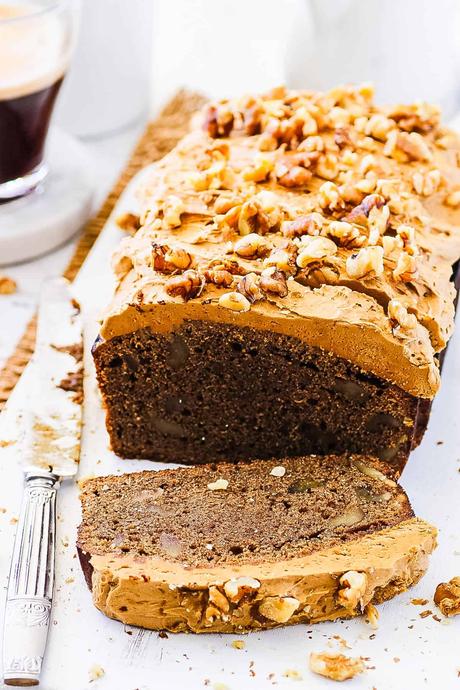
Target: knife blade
x=48, y=449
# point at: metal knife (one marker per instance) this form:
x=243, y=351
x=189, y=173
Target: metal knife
x=48, y=447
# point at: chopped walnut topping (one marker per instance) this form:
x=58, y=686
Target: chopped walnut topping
x=239, y=587
x=283, y=258
x=309, y=224
x=453, y=199
x=129, y=222
x=7, y=285
x=378, y=126
x=336, y=666
x=406, y=267
x=167, y=260
x=399, y=316
x=218, y=120
x=291, y=170
x=251, y=246
x=327, y=166
x=310, y=144
x=447, y=597
x=187, y=285
x=404, y=147
x=329, y=196
x=314, y=248
x=218, y=485
x=249, y=286
x=273, y=281
x=427, y=183
x=234, y=301
x=360, y=213
x=256, y=215
x=224, y=203
x=278, y=609
x=353, y=589
x=422, y=117
x=172, y=208
x=219, y=277
x=346, y=234
x=319, y=273
x=263, y=166
x=365, y=261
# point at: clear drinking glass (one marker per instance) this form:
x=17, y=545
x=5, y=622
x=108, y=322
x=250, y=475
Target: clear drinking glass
x=36, y=42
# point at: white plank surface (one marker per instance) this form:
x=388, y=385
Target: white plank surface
x=405, y=651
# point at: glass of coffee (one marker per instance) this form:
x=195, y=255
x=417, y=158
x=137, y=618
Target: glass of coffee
x=36, y=41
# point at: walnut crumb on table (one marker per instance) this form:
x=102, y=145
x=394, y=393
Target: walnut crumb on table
x=95, y=672
x=336, y=666
x=7, y=285
x=447, y=597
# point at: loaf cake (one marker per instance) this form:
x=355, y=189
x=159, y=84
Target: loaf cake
x=290, y=287
x=234, y=547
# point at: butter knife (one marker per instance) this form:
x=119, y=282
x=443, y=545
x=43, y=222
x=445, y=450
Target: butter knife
x=48, y=448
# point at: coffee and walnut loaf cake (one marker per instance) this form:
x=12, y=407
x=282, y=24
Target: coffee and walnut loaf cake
x=232, y=547
x=290, y=288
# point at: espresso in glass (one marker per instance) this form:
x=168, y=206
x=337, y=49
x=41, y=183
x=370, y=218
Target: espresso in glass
x=33, y=60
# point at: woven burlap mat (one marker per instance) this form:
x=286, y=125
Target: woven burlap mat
x=160, y=136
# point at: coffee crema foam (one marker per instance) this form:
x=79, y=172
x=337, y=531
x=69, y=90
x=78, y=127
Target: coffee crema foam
x=33, y=49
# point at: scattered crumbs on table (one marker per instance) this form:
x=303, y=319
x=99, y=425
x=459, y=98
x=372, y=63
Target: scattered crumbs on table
x=292, y=674
x=2, y=510
x=426, y=613
x=341, y=641
x=14, y=521
x=65, y=541
x=419, y=602
x=162, y=634
x=252, y=673
x=238, y=644
x=95, y=672
x=411, y=627
x=436, y=618
x=69, y=580
x=396, y=659
x=439, y=443
x=220, y=686
x=5, y=444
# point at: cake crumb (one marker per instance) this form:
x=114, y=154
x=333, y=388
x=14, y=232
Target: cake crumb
x=372, y=615
x=220, y=686
x=278, y=471
x=238, y=644
x=425, y=614
x=5, y=444
x=419, y=602
x=14, y=521
x=96, y=671
x=218, y=485
x=7, y=285
x=163, y=635
x=292, y=674
x=69, y=580
x=447, y=597
x=336, y=666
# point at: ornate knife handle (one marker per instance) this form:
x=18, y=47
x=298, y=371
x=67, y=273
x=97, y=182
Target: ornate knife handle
x=30, y=587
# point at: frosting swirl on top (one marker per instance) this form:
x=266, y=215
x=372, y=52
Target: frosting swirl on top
x=318, y=215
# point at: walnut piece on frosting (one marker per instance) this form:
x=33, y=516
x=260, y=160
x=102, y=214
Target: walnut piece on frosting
x=234, y=301
x=366, y=260
x=447, y=597
x=336, y=666
x=400, y=317
x=239, y=587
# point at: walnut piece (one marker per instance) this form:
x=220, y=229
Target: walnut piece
x=336, y=666
x=309, y=224
x=427, y=183
x=314, y=248
x=249, y=286
x=278, y=471
x=239, y=587
x=234, y=301
x=399, y=316
x=453, y=199
x=353, y=588
x=186, y=285
x=129, y=222
x=278, y=609
x=273, y=281
x=372, y=615
x=447, y=597
x=251, y=246
x=366, y=260
x=172, y=208
x=7, y=285
x=218, y=599
x=167, y=260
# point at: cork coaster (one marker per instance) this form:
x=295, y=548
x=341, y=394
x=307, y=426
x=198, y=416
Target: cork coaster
x=160, y=136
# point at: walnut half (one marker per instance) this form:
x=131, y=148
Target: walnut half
x=447, y=597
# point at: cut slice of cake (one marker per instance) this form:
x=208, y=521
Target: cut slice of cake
x=229, y=548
